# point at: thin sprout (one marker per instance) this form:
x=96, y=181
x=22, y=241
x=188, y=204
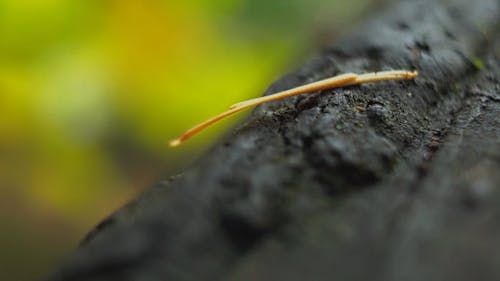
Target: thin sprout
x=342, y=80
x=385, y=75
x=194, y=130
x=328, y=83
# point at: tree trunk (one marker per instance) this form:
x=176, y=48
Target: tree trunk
x=387, y=181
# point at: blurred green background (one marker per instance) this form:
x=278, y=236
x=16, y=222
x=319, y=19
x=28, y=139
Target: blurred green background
x=92, y=90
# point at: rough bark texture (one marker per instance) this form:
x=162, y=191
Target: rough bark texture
x=387, y=181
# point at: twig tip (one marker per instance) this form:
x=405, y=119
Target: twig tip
x=174, y=143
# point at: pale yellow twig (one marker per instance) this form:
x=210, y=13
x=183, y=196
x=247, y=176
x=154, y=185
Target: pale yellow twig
x=328, y=83
x=333, y=82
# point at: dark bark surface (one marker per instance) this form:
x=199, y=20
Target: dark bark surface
x=386, y=181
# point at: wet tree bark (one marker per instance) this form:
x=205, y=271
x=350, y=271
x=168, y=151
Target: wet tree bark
x=387, y=181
